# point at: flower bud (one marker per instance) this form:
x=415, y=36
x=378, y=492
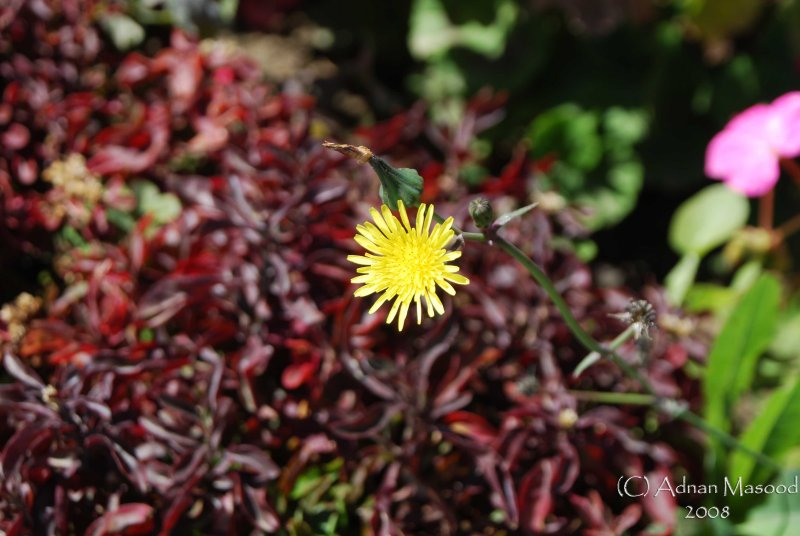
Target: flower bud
x=481, y=211
x=397, y=184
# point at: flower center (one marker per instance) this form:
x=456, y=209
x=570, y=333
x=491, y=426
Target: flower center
x=413, y=263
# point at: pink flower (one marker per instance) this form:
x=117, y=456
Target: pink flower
x=746, y=153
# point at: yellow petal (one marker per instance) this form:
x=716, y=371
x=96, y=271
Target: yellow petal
x=437, y=303
x=447, y=287
x=451, y=256
x=420, y=219
x=428, y=220
x=378, y=219
x=363, y=291
x=405, y=264
x=403, y=214
x=380, y=301
x=358, y=259
x=457, y=279
x=429, y=305
x=393, y=310
x=369, y=230
x=389, y=218
x=403, y=313
x=369, y=245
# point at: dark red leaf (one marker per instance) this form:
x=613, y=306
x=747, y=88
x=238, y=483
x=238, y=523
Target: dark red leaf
x=19, y=370
x=129, y=519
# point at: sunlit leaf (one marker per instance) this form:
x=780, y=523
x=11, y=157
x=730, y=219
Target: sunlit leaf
x=707, y=220
x=733, y=357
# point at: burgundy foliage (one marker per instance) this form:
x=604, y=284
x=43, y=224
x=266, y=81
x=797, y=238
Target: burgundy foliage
x=213, y=372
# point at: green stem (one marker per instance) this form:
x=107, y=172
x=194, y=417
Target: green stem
x=593, y=357
x=605, y=397
x=475, y=237
x=666, y=405
x=585, y=339
x=724, y=437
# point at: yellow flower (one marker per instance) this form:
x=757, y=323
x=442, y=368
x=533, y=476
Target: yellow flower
x=405, y=262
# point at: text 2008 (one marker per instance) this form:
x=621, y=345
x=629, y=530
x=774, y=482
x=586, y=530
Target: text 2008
x=701, y=512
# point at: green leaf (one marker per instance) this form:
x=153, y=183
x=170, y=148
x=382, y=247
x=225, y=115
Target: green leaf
x=586, y=250
x=505, y=218
x=490, y=40
x=146, y=335
x=773, y=432
x=597, y=164
x=624, y=128
x=473, y=174
x=432, y=34
x=430, y=31
x=779, y=515
x=328, y=526
x=704, y=297
x=571, y=132
x=626, y=177
x=681, y=277
x=565, y=179
x=305, y=483
x=227, y=9
x=720, y=299
x=707, y=220
x=397, y=183
x=73, y=236
x=786, y=343
x=733, y=358
x=746, y=276
x=122, y=220
x=165, y=207
x=125, y=32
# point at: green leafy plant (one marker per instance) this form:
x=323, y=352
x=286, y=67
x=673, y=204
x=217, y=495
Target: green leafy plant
x=596, y=165
x=702, y=223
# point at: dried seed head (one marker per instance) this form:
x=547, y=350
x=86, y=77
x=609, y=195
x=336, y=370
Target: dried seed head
x=360, y=153
x=641, y=315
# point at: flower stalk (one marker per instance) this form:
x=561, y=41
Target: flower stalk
x=668, y=406
x=397, y=181
x=605, y=397
x=593, y=357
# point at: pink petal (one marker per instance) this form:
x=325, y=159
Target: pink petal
x=744, y=162
x=753, y=121
x=786, y=113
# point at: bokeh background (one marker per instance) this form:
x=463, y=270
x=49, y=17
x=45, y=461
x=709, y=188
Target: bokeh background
x=182, y=352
